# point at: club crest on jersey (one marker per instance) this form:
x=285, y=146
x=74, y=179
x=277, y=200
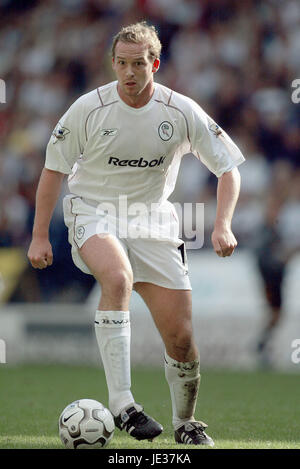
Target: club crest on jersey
x=108, y=132
x=60, y=132
x=215, y=129
x=165, y=130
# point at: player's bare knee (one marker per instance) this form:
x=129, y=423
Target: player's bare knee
x=181, y=344
x=118, y=283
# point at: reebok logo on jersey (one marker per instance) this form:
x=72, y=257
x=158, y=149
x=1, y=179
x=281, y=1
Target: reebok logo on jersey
x=108, y=132
x=141, y=163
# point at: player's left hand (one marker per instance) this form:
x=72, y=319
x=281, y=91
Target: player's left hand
x=223, y=241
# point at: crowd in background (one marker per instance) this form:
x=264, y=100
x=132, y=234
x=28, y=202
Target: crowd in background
x=237, y=59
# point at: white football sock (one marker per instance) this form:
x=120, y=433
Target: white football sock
x=184, y=380
x=113, y=336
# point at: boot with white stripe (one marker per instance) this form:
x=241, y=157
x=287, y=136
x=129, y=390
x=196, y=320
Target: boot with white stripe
x=192, y=433
x=139, y=425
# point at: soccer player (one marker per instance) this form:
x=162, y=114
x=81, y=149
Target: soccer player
x=124, y=142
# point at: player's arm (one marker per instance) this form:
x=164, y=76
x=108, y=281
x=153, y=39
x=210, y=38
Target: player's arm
x=213, y=146
x=66, y=144
x=223, y=239
x=40, y=250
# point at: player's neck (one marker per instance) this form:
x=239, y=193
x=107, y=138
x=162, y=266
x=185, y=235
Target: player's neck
x=139, y=100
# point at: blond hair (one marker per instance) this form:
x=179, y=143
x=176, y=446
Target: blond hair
x=139, y=33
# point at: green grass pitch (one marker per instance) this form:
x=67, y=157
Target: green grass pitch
x=244, y=410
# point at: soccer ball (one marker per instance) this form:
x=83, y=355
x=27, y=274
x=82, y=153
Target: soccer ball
x=86, y=423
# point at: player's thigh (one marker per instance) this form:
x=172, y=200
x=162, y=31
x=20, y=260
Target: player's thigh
x=106, y=258
x=171, y=309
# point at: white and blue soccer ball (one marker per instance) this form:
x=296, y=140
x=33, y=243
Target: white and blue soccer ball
x=86, y=423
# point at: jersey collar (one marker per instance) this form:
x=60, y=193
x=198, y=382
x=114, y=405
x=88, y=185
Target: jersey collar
x=133, y=109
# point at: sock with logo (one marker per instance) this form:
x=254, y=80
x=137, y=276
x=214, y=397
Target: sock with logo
x=113, y=336
x=184, y=380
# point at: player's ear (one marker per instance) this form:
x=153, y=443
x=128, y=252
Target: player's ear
x=155, y=65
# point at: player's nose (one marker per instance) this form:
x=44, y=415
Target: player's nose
x=129, y=72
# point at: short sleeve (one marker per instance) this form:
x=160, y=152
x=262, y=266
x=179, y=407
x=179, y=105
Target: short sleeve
x=211, y=144
x=67, y=140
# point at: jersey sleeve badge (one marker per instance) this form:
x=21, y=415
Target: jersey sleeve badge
x=59, y=133
x=215, y=129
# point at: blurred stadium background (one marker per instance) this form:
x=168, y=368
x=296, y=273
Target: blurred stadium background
x=238, y=61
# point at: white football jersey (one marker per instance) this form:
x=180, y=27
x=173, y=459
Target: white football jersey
x=110, y=149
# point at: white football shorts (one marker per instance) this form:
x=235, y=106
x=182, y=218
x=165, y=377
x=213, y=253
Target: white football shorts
x=159, y=259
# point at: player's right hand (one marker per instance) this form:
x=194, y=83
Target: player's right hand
x=40, y=253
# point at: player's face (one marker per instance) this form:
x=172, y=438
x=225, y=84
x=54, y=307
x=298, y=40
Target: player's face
x=134, y=70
